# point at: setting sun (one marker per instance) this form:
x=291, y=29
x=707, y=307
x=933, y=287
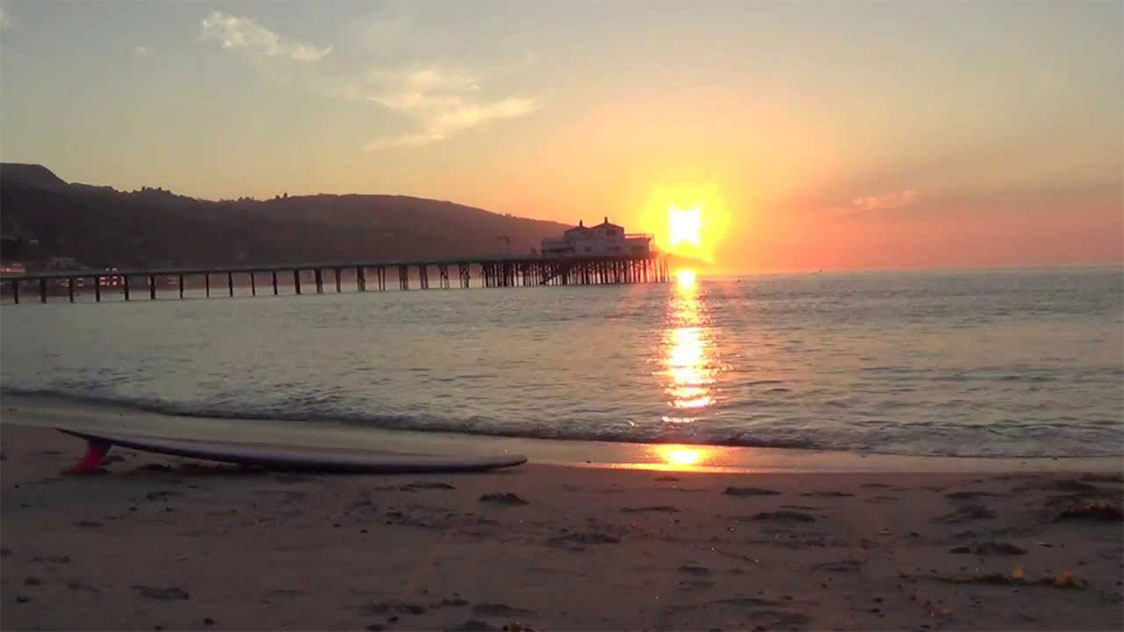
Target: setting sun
x=688, y=220
x=684, y=225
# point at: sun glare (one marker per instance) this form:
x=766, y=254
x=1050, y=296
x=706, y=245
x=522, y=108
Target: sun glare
x=684, y=225
x=688, y=220
x=679, y=455
x=685, y=277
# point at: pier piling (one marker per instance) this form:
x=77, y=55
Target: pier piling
x=495, y=272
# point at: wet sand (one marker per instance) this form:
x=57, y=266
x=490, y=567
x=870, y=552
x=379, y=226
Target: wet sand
x=159, y=542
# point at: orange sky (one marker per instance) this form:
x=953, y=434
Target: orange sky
x=835, y=135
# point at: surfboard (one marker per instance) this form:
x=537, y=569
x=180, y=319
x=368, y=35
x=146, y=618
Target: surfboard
x=285, y=457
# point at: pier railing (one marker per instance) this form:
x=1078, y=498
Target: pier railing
x=499, y=271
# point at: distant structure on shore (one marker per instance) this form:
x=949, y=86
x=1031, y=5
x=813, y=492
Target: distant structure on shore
x=602, y=240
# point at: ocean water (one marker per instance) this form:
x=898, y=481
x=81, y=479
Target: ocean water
x=1012, y=363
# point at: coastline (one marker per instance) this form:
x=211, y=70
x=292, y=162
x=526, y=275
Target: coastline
x=166, y=543
x=40, y=411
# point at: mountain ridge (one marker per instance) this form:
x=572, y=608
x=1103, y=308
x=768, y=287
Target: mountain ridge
x=44, y=220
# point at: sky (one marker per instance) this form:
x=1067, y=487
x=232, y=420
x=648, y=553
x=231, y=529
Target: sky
x=831, y=135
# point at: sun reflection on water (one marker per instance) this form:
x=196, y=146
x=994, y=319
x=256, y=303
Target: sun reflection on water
x=689, y=372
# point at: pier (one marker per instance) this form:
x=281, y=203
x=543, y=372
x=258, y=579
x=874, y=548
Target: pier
x=484, y=272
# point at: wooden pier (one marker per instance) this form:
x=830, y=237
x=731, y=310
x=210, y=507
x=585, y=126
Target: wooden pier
x=500, y=272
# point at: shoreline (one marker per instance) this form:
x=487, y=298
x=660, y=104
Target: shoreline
x=43, y=411
x=158, y=542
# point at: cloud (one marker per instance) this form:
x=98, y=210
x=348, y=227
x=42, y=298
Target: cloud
x=243, y=33
x=887, y=202
x=440, y=104
x=5, y=21
x=436, y=102
x=141, y=51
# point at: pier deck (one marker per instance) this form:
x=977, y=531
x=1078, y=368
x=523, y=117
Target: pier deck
x=491, y=272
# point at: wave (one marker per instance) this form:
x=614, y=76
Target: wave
x=315, y=410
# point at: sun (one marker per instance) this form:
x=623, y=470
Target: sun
x=684, y=225
x=687, y=220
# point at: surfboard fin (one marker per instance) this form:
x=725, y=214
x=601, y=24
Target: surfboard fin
x=96, y=450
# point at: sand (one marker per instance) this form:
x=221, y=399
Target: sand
x=159, y=542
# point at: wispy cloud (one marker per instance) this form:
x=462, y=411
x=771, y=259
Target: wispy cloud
x=440, y=104
x=141, y=51
x=235, y=32
x=5, y=21
x=434, y=101
x=887, y=202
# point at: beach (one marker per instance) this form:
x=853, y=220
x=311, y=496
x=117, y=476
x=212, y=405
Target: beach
x=158, y=542
x=589, y=316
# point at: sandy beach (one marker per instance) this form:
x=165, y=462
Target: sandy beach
x=165, y=543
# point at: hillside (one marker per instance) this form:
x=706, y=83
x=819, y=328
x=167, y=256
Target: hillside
x=43, y=217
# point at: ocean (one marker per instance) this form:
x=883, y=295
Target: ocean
x=985, y=363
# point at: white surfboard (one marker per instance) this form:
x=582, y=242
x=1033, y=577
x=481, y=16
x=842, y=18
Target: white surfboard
x=285, y=457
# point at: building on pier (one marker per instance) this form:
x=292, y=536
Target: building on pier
x=602, y=240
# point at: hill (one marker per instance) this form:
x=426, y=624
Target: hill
x=43, y=218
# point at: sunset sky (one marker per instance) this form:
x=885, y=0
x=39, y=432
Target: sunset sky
x=817, y=135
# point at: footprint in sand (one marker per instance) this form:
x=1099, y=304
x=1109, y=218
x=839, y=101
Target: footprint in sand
x=503, y=498
x=841, y=566
x=654, y=508
x=409, y=487
x=393, y=606
x=499, y=610
x=1103, y=478
x=749, y=491
x=77, y=586
x=472, y=625
x=697, y=571
x=969, y=495
x=783, y=516
x=990, y=548
x=577, y=541
x=695, y=584
x=967, y=513
x=172, y=593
